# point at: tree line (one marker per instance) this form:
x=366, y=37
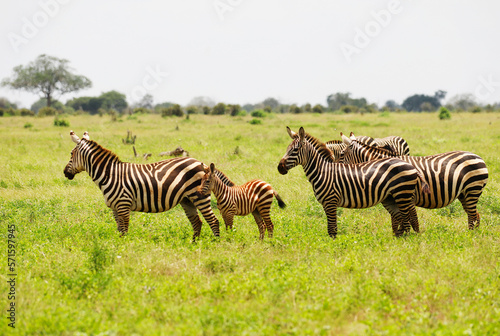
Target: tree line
x=48, y=75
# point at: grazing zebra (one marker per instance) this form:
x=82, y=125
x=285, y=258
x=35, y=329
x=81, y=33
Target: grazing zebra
x=393, y=142
x=391, y=182
x=154, y=187
x=451, y=175
x=252, y=197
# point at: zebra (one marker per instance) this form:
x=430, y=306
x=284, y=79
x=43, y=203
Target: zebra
x=253, y=197
x=450, y=175
x=154, y=187
x=393, y=142
x=391, y=182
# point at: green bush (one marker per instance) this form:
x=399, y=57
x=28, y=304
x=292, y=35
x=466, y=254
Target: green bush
x=317, y=108
x=47, y=111
x=255, y=122
x=349, y=109
x=24, y=112
x=61, y=122
x=28, y=125
x=258, y=114
x=172, y=110
x=476, y=109
x=444, y=113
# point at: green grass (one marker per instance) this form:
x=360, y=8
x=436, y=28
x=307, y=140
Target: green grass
x=76, y=276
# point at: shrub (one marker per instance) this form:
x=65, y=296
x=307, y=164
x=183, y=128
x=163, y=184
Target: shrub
x=2, y=111
x=476, y=109
x=142, y=110
x=219, y=109
x=255, y=122
x=258, y=114
x=317, y=108
x=192, y=109
x=295, y=109
x=61, y=122
x=172, y=110
x=28, y=125
x=47, y=111
x=349, y=109
x=444, y=113
x=24, y=112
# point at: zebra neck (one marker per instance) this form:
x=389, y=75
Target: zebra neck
x=313, y=161
x=100, y=165
x=219, y=188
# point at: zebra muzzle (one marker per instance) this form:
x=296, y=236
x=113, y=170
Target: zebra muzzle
x=282, y=167
x=68, y=175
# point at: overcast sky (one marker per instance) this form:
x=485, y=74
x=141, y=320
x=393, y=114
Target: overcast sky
x=243, y=51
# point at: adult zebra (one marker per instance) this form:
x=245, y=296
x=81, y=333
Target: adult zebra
x=154, y=187
x=393, y=142
x=253, y=197
x=451, y=175
x=391, y=182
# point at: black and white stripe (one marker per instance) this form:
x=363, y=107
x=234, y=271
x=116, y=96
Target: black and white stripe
x=393, y=142
x=451, y=175
x=253, y=197
x=154, y=187
x=391, y=182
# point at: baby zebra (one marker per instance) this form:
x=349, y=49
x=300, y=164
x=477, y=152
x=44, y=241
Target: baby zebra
x=252, y=197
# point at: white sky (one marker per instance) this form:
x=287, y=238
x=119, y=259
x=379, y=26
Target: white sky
x=287, y=49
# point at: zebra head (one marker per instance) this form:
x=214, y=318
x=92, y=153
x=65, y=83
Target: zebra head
x=293, y=153
x=75, y=164
x=207, y=180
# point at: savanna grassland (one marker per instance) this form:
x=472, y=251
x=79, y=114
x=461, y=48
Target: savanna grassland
x=76, y=276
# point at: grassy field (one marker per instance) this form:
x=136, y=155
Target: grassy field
x=76, y=276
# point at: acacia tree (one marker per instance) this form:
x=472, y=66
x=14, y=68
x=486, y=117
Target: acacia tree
x=46, y=75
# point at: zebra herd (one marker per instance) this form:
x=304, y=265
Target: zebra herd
x=356, y=172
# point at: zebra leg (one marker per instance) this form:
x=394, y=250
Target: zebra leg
x=260, y=223
x=331, y=217
x=397, y=217
x=469, y=203
x=192, y=215
x=265, y=212
x=122, y=217
x=413, y=219
x=203, y=205
x=228, y=219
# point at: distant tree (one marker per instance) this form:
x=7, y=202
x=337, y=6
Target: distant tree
x=42, y=102
x=307, y=108
x=339, y=99
x=317, y=108
x=202, y=101
x=271, y=102
x=391, y=105
x=192, y=109
x=146, y=101
x=426, y=107
x=295, y=109
x=414, y=103
x=159, y=107
x=233, y=110
x=219, y=109
x=206, y=109
x=462, y=102
x=249, y=107
x=115, y=100
x=174, y=110
x=47, y=75
x=349, y=109
x=6, y=104
x=440, y=95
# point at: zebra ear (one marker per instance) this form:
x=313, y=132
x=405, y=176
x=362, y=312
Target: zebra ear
x=212, y=167
x=352, y=136
x=291, y=133
x=204, y=167
x=345, y=139
x=74, y=137
x=302, y=134
x=86, y=135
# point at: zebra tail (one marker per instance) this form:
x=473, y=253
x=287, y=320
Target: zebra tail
x=425, y=187
x=281, y=204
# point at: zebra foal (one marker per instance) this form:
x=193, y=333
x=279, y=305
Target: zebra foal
x=391, y=182
x=450, y=175
x=253, y=197
x=154, y=187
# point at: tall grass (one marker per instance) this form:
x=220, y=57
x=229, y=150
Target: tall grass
x=78, y=277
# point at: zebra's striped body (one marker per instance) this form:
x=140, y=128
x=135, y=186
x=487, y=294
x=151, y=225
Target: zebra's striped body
x=393, y=142
x=451, y=175
x=253, y=197
x=391, y=182
x=154, y=187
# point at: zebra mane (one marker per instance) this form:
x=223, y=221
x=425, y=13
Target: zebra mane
x=95, y=147
x=224, y=178
x=334, y=142
x=320, y=147
x=388, y=150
